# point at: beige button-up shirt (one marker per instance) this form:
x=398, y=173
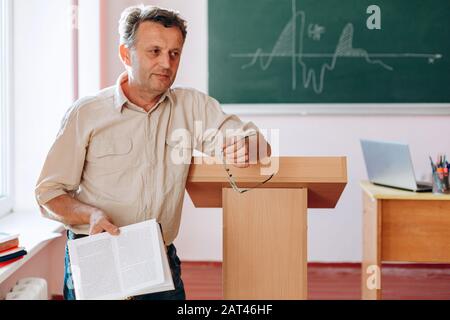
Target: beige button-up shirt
x=113, y=155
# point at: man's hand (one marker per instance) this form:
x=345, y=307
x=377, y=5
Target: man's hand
x=100, y=222
x=236, y=151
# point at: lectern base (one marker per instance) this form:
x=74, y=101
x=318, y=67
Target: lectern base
x=265, y=244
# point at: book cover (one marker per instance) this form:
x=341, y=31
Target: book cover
x=11, y=251
x=7, y=263
x=13, y=255
x=9, y=244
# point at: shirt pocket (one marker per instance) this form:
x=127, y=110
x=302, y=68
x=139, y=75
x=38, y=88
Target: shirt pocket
x=111, y=153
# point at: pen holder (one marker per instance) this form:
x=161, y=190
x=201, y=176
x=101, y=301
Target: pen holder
x=440, y=183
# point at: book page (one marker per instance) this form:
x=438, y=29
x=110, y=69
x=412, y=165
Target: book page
x=94, y=268
x=139, y=258
x=168, y=284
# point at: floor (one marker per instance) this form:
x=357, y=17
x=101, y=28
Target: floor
x=335, y=281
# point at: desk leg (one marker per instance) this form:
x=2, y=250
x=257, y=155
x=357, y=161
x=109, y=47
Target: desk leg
x=264, y=244
x=371, y=266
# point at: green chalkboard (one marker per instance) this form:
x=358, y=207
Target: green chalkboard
x=323, y=51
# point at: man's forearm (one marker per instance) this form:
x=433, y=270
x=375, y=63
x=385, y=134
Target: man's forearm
x=70, y=211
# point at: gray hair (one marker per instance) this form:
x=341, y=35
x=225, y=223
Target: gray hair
x=132, y=17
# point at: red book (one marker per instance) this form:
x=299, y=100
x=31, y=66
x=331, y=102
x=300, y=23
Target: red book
x=3, y=264
x=9, y=244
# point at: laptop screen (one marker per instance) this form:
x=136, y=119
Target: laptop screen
x=389, y=164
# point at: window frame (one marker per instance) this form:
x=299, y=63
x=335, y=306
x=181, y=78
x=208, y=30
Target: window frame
x=6, y=145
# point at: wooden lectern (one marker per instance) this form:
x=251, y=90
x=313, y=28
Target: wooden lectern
x=265, y=229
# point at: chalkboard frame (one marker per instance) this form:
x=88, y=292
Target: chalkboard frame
x=360, y=109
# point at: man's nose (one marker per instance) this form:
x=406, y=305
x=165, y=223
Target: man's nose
x=164, y=61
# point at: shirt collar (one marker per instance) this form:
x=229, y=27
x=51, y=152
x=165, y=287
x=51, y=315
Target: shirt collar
x=120, y=99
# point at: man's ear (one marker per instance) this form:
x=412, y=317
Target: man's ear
x=125, y=54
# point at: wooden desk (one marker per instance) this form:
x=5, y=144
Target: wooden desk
x=401, y=226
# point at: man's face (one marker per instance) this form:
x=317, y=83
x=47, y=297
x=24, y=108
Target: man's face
x=156, y=56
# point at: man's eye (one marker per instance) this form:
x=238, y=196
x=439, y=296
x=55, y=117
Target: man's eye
x=155, y=52
x=175, y=54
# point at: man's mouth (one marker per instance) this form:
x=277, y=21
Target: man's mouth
x=162, y=75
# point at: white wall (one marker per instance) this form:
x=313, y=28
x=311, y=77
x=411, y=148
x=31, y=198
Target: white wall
x=334, y=235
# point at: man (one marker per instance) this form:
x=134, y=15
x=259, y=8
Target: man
x=112, y=163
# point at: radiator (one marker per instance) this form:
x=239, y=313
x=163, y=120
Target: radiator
x=29, y=289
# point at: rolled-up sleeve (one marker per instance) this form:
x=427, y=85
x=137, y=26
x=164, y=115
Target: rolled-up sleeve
x=63, y=166
x=215, y=121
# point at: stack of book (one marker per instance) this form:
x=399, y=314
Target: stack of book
x=9, y=249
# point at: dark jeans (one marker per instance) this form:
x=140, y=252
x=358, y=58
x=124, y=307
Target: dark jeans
x=175, y=267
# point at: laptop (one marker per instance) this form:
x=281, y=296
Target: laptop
x=389, y=164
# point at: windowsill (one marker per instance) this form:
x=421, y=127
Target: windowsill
x=35, y=233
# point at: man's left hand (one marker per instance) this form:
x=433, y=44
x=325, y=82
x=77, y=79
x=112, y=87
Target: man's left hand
x=236, y=151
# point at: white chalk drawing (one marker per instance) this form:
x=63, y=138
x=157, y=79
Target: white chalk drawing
x=288, y=41
x=315, y=31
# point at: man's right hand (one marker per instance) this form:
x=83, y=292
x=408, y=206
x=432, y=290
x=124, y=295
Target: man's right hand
x=100, y=222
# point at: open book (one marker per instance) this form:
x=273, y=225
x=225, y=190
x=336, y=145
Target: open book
x=106, y=267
